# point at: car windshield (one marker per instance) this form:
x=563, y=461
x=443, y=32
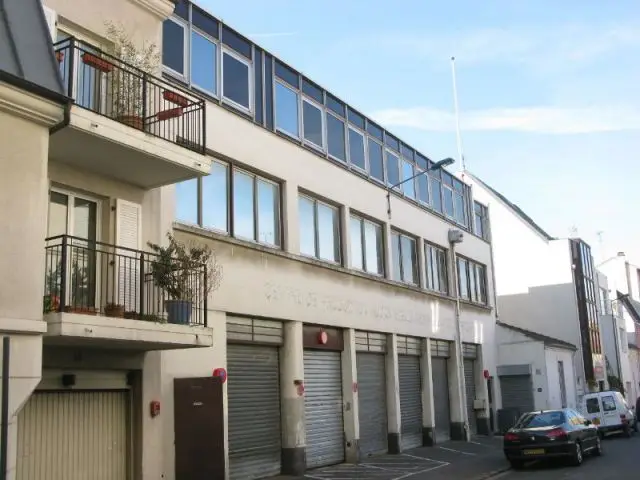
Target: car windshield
x=544, y=419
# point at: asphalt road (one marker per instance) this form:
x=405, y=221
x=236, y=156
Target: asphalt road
x=621, y=461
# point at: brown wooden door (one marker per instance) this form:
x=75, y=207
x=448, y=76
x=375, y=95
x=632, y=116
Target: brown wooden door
x=199, y=428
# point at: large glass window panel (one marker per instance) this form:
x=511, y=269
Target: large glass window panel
x=482, y=283
x=374, y=259
x=409, y=187
x=409, y=260
x=442, y=270
x=376, y=162
x=173, y=46
x=463, y=279
x=335, y=137
x=436, y=194
x=243, y=205
x=356, y=149
x=287, y=110
x=187, y=201
x=236, y=76
x=355, y=234
x=423, y=188
x=436, y=269
x=312, y=123
x=203, y=62
x=215, y=198
x=393, y=169
x=268, y=213
x=328, y=236
x=447, y=194
x=459, y=208
x=395, y=251
x=306, y=213
x=58, y=214
x=473, y=287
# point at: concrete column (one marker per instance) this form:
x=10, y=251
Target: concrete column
x=350, y=397
x=428, y=409
x=457, y=407
x=482, y=393
x=345, y=238
x=290, y=224
x=422, y=270
x=292, y=400
x=388, y=254
x=393, y=395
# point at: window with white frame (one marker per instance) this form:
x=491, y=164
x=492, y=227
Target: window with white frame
x=236, y=79
x=251, y=213
x=313, y=123
x=480, y=220
x=367, y=247
x=174, y=46
x=436, y=268
x=409, y=187
x=459, y=207
x=336, y=128
x=356, y=148
x=287, y=101
x=405, y=258
x=319, y=229
x=393, y=168
x=472, y=281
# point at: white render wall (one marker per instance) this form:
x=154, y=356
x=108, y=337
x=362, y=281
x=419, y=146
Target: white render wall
x=552, y=357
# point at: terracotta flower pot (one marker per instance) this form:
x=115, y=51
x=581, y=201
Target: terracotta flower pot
x=81, y=310
x=114, y=311
x=133, y=121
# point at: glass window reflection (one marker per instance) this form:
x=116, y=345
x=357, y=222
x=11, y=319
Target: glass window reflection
x=335, y=137
x=268, y=213
x=173, y=46
x=187, y=201
x=243, y=201
x=374, y=259
x=203, y=62
x=287, y=110
x=408, y=188
x=356, y=149
x=393, y=169
x=447, y=194
x=355, y=234
x=328, y=238
x=235, y=80
x=215, y=210
x=306, y=213
x=376, y=162
x=312, y=123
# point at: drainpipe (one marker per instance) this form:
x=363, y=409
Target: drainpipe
x=4, y=413
x=627, y=271
x=65, y=120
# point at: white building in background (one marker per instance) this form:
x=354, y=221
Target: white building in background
x=547, y=308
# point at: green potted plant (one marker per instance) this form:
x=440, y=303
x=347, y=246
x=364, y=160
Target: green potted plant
x=179, y=270
x=127, y=85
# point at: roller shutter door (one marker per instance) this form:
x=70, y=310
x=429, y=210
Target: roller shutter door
x=470, y=388
x=410, y=400
x=440, y=377
x=323, y=408
x=517, y=392
x=81, y=435
x=253, y=390
x=372, y=402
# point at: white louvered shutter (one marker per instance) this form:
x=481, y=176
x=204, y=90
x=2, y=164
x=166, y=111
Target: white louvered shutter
x=52, y=19
x=128, y=236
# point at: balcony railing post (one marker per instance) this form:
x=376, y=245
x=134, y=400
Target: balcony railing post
x=63, y=274
x=144, y=97
x=141, y=284
x=72, y=62
x=204, y=300
x=203, y=107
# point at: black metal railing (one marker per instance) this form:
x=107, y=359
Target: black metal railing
x=95, y=278
x=108, y=86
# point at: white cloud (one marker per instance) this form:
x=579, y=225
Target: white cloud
x=549, y=119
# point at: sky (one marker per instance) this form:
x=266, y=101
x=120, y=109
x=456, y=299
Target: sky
x=549, y=92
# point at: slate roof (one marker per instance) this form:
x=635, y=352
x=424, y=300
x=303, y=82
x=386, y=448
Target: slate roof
x=26, y=50
x=515, y=208
x=551, y=341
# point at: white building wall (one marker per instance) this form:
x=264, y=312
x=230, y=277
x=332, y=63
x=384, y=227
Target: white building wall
x=554, y=397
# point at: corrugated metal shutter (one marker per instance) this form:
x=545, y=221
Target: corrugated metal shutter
x=323, y=408
x=517, y=392
x=74, y=436
x=253, y=392
x=372, y=400
x=410, y=400
x=470, y=387
x=440, y=378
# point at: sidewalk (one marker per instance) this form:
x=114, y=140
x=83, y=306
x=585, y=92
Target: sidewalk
x=476, y=460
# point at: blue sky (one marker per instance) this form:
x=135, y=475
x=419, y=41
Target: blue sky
x=549, y=91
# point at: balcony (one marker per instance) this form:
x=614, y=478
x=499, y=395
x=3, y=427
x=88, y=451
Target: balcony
x=125, y=123
x=104, y=295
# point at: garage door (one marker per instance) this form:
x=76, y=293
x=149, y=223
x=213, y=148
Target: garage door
x=323, y=408
x=253, y=390
x=410, y=400
x=372, y=403
x=470, y=388
x=74, y=436
x=517, y=392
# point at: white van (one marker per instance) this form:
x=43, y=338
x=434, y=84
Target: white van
x=609, y=411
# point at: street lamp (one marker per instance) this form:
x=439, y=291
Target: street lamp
x=455, y=237
x=445, y=162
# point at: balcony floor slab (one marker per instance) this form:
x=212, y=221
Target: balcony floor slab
x=73, y=329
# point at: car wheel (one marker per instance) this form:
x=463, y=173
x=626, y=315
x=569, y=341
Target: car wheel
x=577, y=455
x=598, y=450
x=516, y=464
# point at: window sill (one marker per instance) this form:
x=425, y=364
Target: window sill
x=187, y=228
x=481, y=306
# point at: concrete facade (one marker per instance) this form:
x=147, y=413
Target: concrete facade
x=259, y=282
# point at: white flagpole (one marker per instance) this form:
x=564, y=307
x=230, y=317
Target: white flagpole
x=457, y=113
